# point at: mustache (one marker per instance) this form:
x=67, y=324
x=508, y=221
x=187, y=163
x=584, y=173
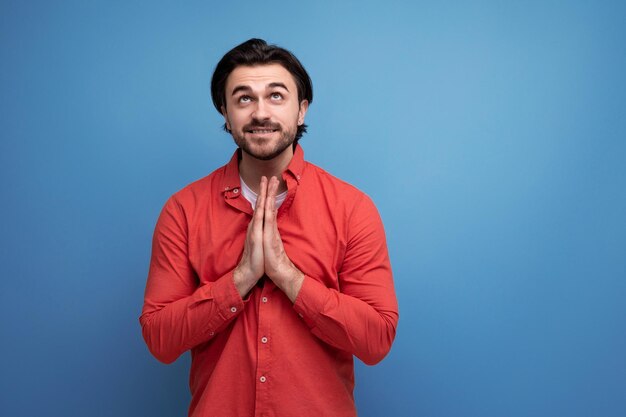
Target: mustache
x=260, y=125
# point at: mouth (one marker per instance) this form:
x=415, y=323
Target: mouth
x=261, y=131
x=261, y=128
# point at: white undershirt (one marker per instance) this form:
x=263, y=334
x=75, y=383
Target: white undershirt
x=251, y=196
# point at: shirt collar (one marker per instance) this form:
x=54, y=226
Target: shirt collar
x=296, y=165
x=231, y=183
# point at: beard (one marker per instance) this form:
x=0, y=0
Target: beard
x=264, y=149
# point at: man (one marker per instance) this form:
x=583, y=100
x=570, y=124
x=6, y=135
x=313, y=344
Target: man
x=271, y=271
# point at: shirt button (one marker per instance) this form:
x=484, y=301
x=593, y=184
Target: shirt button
x=211, y=334
x=264, y=299
x=233, y=309
x=236, y=190
x=264, y=339
x=300, y=315
x=262, y=379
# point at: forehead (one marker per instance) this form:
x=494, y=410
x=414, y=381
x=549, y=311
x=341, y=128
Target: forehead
x=259, y=76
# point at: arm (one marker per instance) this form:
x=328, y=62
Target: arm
x=362, y=317
x=178, y=314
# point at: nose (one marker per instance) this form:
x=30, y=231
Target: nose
x=261, y=111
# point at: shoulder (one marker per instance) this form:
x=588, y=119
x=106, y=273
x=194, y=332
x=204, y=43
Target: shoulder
x=335, y=189
x=329, y=181
x=350, y=209
x=198, y=191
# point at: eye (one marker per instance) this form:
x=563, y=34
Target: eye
x=276, y=96
x=244, y=99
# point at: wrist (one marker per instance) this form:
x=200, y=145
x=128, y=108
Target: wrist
x=244, y=280
x=290, y=282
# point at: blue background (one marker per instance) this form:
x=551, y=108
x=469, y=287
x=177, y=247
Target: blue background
x=490, y=134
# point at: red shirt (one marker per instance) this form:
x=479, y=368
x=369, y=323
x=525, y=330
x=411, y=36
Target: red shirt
x=263, y=355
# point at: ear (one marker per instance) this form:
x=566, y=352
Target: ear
x=225, y=117
x=304, y=106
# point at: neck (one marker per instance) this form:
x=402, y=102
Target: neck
x=252, y=169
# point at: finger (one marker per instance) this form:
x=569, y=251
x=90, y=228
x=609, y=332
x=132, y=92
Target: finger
x=272, y=190
x=260, y=203
x=262, y=188
x=270, y=203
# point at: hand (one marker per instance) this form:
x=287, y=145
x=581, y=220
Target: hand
x=251, y=266
x=263, y=251
x=278, y=266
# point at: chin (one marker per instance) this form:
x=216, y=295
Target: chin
x=266, y=150
x=264, y=155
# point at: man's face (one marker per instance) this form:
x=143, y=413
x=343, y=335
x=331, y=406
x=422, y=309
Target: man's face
x=262, y=109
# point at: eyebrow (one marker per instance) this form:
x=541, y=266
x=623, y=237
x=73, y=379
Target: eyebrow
x=279, y=85
x=240, y=88
x=247, y=88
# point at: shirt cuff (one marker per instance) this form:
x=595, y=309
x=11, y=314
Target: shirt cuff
x=311, y=300
x=226, y=300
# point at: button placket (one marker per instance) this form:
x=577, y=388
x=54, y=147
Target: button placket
x=264, y=324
